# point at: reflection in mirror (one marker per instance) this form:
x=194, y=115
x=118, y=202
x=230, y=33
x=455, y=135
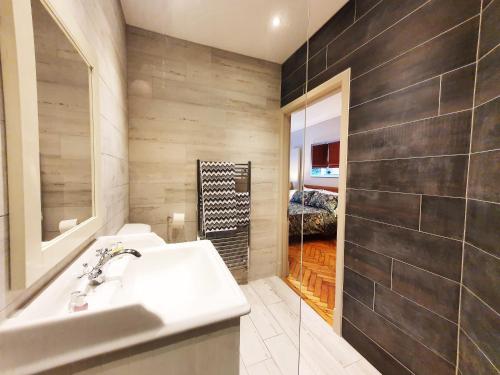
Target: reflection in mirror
x=64, y=120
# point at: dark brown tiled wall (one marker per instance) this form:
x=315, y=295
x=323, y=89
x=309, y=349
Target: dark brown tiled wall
x=422, y=252
x=479, y=339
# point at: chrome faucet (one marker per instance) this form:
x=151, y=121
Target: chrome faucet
x=95, y=274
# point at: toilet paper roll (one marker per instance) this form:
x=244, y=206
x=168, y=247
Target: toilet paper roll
x=177, y=220
x=65, y=225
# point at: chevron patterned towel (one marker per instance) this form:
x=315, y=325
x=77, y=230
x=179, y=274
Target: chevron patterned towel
x=219, y=196
x=243, y=208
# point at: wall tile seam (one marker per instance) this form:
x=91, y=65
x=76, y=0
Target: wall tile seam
x=113, y=91
x=402, y=331
x=400, y=295
x=109, y=22
x=398, y=90
x=408, y=122
x=368, y=11
x=371, y=251
x=482, y=251
x=484, y=151
x=123, y=130
x=408, y=193
x=380, y=33
x=413, y=84
x=418, y=46
x=392, y=270
x=412, y=265
x=420, y=213
x=487, y=102
x=440, y=92
x=353, y=78
x=345, y=30
x=375, y=343
x=402, y=227
x=464, y=233
x=122, y=158
x=411, y=157
x=489, y=52
x=478, y=348
x=481, y=300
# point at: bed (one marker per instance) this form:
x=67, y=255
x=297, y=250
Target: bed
x=319, y=212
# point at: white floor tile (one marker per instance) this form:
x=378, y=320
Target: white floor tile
x=287, y=319
x=243, y=369
x=284, y=292
x=284, y=353
x=252, y=348
x=270, y=336
x=265, y=291
x=268, y=367
x=261, y=317
x=362, y=367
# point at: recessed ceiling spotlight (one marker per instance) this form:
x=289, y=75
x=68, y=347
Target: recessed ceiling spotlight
x=276, y=21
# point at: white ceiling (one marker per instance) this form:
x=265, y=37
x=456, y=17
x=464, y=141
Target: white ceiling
x=241, y=26
x=323, y=110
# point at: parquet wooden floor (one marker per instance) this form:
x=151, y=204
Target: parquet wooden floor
x=318, y=274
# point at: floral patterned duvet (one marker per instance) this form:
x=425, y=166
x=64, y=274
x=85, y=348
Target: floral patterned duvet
x=316, y=220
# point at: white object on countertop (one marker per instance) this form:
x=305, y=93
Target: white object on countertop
x=178, y=220
x=169, y=289
x=65, y=225
x=134, y=228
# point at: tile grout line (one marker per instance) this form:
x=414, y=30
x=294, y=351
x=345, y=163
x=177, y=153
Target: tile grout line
x=409, y=264
x=478, y=348
x=331, y=41
x=392, y=270
x=409, y=122
x=401, y=227
x=402, y=296
x=429, y=195
x=488, y=52
x=487, y=102
x=481, y=250
x=413, y=84
x=396, y=57
x=488, y=5
x=418, y=46
x=484, y=151
x=376, y=344
x=368, y=41
x=382, y=32
x=482, y=301
x=373, y=302
x=459, y=322
x=440, y=91
x=411, y=336
x=393, y=58
x=409, y=158
x=420, y=214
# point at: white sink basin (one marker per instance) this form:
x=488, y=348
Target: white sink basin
x=170, y=289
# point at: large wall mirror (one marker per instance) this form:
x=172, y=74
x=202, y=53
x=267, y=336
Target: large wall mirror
x=64, y=126
x=51, y=106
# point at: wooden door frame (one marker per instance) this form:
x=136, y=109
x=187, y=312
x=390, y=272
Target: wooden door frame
x=338, y=84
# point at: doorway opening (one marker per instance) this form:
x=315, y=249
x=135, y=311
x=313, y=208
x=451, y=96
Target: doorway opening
x=315, y=141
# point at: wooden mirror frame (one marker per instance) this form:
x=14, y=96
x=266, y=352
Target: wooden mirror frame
x=30, y=259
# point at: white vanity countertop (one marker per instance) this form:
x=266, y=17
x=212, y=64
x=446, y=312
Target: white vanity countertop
x=169, y=289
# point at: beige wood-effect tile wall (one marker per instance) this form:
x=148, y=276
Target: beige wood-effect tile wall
x=189, y=102
x=104, y=26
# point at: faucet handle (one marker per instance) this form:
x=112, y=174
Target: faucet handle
x=85, y=270
x=101, y=252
